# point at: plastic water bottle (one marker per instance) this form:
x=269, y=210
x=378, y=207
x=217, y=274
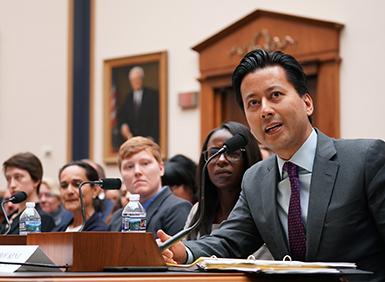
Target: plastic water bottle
x=134, y=215
x=30, y=220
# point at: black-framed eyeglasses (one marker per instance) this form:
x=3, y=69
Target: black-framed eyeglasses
x=230, y=156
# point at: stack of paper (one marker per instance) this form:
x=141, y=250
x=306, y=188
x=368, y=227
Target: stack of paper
x=266, y=266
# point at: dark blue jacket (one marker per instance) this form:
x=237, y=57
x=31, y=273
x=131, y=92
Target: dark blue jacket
x=94, y=223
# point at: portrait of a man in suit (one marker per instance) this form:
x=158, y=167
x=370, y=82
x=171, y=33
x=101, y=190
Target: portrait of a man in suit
x=138, y=115
x=135, y=101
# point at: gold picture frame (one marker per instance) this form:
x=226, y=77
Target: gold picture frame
x=151, y=118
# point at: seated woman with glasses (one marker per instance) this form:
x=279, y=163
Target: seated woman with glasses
x=224, y=176
x=70, y=177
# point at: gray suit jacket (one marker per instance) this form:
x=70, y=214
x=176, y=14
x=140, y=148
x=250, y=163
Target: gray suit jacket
x=166, y=212
x=346, y=215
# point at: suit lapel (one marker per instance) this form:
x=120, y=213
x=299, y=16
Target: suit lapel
x=277, y=244
x=154, y=207
x=322, y=184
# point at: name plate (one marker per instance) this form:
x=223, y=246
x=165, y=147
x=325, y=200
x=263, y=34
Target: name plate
x=19, y=257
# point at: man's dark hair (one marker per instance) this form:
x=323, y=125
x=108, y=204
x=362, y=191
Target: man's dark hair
x=259, y=59
x=28, y=162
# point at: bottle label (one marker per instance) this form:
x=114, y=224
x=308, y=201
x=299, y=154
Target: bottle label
x=29, y=226
x=136, y=224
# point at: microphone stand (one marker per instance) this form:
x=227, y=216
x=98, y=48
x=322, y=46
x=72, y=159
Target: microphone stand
x=17, y=198
x=83, y=208
x=184, y=232
x=107, y=183
x=6, y=218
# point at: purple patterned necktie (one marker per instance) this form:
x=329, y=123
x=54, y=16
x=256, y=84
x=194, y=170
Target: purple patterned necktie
x=296, y=229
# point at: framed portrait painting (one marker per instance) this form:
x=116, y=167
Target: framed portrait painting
x=135, y=101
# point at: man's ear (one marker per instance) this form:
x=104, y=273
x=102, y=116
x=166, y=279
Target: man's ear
x=36, y=185
x=308, y=103
x=161, y=166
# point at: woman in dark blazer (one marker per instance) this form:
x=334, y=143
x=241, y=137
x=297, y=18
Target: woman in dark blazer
x=70, y=177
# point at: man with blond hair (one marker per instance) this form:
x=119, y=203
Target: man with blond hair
x=141, y=167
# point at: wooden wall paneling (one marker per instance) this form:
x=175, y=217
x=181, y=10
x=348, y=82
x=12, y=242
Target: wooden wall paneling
x=218, y=109
x=221, y=53
x=210, y=103
x=207, y=107
x=328, y=103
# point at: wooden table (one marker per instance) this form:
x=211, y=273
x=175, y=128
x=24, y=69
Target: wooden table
x=160, y=276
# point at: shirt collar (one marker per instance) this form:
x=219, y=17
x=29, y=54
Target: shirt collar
x=147, y=203
x=305, y=155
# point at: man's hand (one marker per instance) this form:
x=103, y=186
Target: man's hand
x=176, y=253
x=125, y=131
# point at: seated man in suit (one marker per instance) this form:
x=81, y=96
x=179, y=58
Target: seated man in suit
x=318, y=199
x=24, y=173
x=141, y=168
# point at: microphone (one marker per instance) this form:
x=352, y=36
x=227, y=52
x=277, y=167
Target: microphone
x=16, y=198
x=106, y=183
x=234, y=143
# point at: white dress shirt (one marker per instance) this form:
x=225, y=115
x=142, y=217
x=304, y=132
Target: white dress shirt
x=304, y=159
x=138, y=95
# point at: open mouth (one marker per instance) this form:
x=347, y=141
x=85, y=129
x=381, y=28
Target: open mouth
x=72, y=200
x=273, y=128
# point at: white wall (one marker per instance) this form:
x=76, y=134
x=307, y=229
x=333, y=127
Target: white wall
x=33, y=80
x=34, y=40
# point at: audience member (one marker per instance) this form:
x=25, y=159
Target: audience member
x=318, y=199
x=141, y=167
x=71, y=176
x=223, y=177
x=51, y=202
x=125, y=195
x=115, y=197
x=24, y=172
x=120, y=199
x=179, y=175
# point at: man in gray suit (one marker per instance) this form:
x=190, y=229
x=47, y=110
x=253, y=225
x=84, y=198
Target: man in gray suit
x=141, y=167
x=318, y=199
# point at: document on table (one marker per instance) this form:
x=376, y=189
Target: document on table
x=264, y=266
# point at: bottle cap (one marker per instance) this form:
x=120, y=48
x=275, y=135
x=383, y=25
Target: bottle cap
x=134, y=197
x=30, y=204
